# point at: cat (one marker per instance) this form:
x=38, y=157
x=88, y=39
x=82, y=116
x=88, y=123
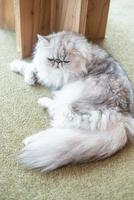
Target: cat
x=92, y=109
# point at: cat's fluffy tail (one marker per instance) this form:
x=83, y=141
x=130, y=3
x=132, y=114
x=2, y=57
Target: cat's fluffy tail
x=56, y=147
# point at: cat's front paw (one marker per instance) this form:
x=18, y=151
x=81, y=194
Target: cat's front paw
x=16, y=66
x=45, y=102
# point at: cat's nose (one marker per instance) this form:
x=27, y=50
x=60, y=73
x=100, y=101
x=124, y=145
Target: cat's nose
x=58, y=60
x=57, y=63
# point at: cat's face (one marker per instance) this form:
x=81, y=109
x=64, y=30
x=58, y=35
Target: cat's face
x=65, y=51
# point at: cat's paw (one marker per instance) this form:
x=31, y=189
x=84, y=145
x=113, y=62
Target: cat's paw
x=45, y=102
x=16, y=66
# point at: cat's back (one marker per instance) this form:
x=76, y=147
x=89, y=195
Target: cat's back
x=104, y=66
x=112, y=87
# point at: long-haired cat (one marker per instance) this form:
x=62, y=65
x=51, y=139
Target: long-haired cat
x=92, y=109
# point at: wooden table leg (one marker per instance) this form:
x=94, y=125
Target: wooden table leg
x=96, y=20
x=32, y=17
x=7, y=14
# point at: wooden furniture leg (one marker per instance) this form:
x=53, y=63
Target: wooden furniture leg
x=7, y=14
x=32, y=17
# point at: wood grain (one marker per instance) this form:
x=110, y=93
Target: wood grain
x=68, y=14
x=7, y=18
x=96, y=19
x=45, y=16
x=88, y=17
x=33, y=17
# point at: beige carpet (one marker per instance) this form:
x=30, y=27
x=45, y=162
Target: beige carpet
x=20, y=116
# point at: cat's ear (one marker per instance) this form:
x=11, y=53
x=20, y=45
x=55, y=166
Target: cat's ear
x=39, y=37
x=43, y=38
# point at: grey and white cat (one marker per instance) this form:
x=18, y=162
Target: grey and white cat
x=91, y=112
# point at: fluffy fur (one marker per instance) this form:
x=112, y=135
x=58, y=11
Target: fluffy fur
x=91, y=110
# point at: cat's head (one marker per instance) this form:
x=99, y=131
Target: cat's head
x=65, y=51
x=61, y=57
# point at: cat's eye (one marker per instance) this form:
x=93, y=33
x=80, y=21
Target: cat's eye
x=58, y=60
x=50, y=59
x=66, y=61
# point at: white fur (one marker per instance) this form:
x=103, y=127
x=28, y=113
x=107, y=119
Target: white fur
x=57, y=147
x=73, y=137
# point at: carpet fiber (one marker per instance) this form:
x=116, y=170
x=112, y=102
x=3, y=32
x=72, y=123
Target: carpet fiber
x=111, y=179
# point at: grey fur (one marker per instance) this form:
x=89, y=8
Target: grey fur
x=116, y=91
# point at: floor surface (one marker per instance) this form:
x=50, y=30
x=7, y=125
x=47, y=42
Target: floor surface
x=20, y=116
